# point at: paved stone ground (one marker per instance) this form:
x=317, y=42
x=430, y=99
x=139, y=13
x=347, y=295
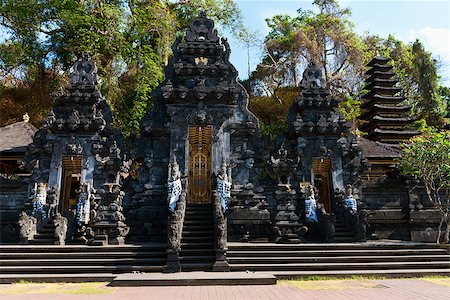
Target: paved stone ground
x=430, y=289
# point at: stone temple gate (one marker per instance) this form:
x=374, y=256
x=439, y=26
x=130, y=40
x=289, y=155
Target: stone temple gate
x=204, y=176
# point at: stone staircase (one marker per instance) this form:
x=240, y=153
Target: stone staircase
x=343, y=234
x=197, y=242
x=45, y=234
x=73, y=263
x=380, y=259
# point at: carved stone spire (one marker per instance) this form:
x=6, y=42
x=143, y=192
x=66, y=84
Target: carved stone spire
x=313, y=77
x=84, y=72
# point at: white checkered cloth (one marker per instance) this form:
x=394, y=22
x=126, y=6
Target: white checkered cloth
x=174, y=192
x=310, y=210
x=224, y=190
x=350, y=203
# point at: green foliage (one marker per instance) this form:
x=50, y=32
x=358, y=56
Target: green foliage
x=129, y=41
x=427, y=158
x=326, y=37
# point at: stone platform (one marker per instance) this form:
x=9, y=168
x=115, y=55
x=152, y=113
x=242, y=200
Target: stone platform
x=194, y=279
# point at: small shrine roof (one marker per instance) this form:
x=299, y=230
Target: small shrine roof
x=16, y=137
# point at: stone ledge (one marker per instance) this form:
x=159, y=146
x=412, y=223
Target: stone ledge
x=194, y=279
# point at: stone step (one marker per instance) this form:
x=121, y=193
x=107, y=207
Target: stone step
x=340, y=266
x=333, y=252
x=199, y=266
x=197, y=258
x=198, y=233
x=393, y=273
x=197, y=252
x=197, y=239
x=42, y=241
x=44, y=236
x=197, y=245
x=312, y=259
x=82, y=255
x=78, y=269
x=81, y=248
x=344, y=234
x=194, y=227
x=65, y=278
x=200, y=222
x=233, y=246
x=83, y=262
x=194, y=278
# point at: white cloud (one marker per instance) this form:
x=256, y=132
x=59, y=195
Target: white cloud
x=436, y=40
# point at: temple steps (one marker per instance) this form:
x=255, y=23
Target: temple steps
x=36, y=259
x=342, y=234
x=338, y=259
x=197, y=241
x=45, y=235
x=340, y=266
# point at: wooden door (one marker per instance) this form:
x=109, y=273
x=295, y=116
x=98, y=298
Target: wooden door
x=71, y=182
x=322, y=181
x=199, y=178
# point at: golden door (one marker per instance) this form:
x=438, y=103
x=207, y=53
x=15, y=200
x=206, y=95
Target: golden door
x=199, y=180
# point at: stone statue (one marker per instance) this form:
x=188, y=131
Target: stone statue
x=174, y=184
x=52, y=201
x=27, y=225
x=224, y=185
x=282, y=166
x=350, y=201
x=83, y=204
x=60, y=223
x=310, y=205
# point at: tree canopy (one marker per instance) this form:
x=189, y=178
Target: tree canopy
x=327, y=36
x=129, y=40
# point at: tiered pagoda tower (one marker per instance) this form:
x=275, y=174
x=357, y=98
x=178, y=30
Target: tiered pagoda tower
x=386, y=120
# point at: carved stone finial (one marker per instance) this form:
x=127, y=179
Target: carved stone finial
x=313, y=77
x=202, y=29
x=26, y=118
x=84, y=72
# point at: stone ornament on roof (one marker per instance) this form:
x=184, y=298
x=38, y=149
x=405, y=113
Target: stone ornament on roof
x=202, y=30
x=313, y=77
x=83, y=72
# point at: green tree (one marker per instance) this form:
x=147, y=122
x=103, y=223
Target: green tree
x=427, y=158
x=129, y=40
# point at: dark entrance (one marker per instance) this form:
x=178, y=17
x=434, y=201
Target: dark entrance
x=322, y=182
x=71, y=183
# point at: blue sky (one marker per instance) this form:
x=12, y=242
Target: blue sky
x=407, y=20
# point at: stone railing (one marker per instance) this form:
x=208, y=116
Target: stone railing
x=220, y=244
x=174, y=233
x=355, y=220
x=326, y=224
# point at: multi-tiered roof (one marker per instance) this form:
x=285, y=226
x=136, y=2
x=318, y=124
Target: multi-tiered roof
x=386, y=119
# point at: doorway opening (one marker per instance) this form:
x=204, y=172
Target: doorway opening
x=71, y=183
x=321, y=169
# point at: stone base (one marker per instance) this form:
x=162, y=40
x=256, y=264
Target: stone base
x=221, y=266
x=194, y=279
x=172, y=267
x=99, y=240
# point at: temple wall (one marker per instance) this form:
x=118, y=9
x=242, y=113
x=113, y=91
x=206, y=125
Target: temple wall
x=13, y=195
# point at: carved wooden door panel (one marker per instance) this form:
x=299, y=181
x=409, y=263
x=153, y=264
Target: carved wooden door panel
x=322, y=181
x=199, y=179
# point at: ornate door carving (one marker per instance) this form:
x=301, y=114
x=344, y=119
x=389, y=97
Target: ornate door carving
x=199, y=180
